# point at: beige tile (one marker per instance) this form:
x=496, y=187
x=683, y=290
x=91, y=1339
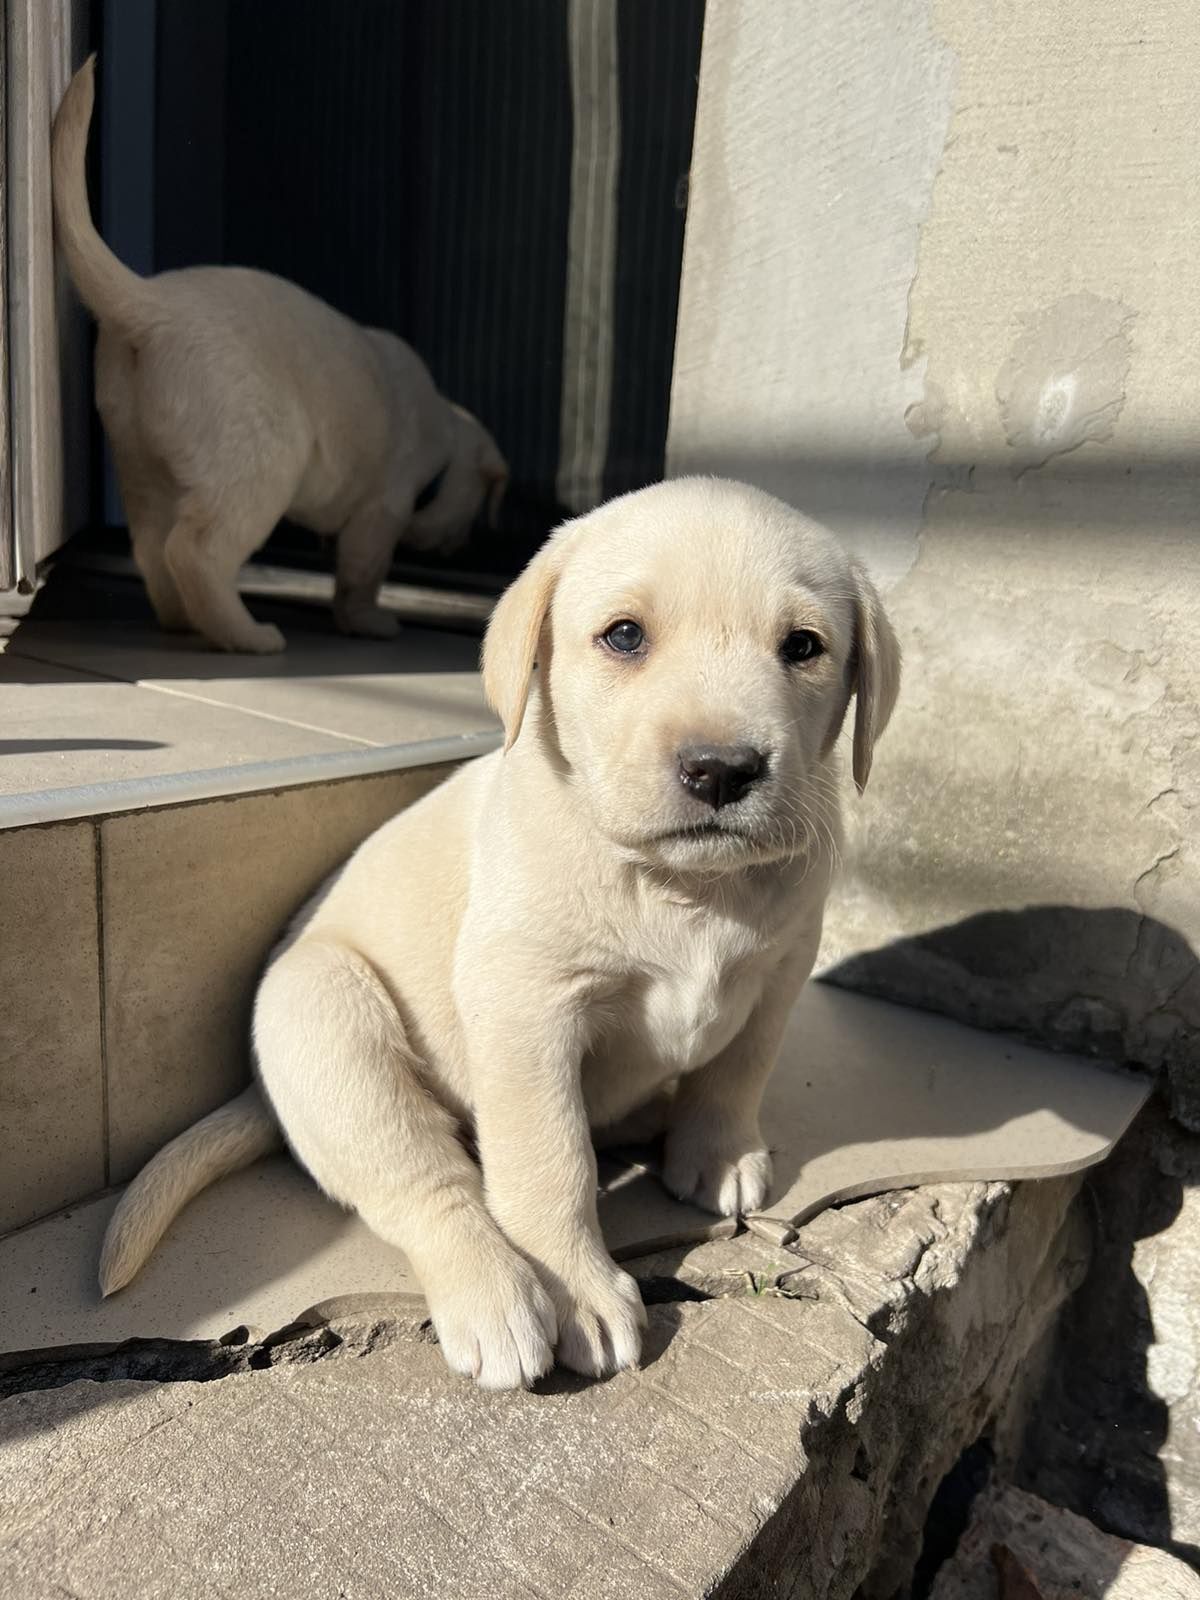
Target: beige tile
x=194, y=897
x=421, y=685
x=51, y=1076
x=392, y=707
x=60, y=728
x=257, y=1249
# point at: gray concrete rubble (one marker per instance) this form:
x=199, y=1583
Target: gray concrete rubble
x=1018, y=1547
x=795, y=1411
x=1114, y=1429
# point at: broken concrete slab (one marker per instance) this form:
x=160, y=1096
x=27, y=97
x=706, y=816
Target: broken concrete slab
x=867, y=1097
x=258, y=1250
x=1018, y=1547
x=870, y=1096
x=770, y=1444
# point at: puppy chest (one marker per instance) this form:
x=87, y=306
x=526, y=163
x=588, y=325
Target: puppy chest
x=688, y=1017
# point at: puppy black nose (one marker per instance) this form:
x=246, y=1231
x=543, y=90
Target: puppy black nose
x=720, y=774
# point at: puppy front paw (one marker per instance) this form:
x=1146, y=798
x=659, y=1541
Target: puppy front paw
x=729, y=1175
x=600, y=1316
x=494, y=1322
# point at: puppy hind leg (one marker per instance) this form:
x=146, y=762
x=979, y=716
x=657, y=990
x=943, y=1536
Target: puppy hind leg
x=204, y=554
x=149, y=552
x=364, y=553
x=151, y=515
x=337, y=1066
x=149, y=501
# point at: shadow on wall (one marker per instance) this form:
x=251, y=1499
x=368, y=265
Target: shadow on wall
x=1138, y=490
x=1112, y=983
x=1124, y=987
x=1100, y=1436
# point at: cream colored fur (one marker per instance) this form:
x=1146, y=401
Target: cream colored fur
x=562, y=935
x=232, y=399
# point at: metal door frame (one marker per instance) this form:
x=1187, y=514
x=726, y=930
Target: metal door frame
x=42, y=353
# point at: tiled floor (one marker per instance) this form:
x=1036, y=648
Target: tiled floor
x=163, y=810
x=89, y=702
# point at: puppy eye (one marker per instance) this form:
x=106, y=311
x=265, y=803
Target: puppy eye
x=801, y=645
x=624, y=637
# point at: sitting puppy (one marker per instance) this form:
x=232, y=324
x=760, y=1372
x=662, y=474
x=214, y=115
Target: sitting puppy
x=232, y=399
x=612, y=916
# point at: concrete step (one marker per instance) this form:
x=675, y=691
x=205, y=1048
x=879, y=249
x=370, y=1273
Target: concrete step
x=138, y=913
x=116, y=701
x=867, y=1097
x=805, y=1383
x=793, y=1416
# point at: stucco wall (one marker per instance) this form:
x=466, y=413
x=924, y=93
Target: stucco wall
x=941, y=284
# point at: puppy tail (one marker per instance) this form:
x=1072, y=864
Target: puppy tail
x=109, y=289
x=227, y=1140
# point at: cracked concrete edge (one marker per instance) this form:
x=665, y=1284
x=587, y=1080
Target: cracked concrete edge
x=727, y=1262
x=352, y=1324
x=847, y=1252
x=804, y=1401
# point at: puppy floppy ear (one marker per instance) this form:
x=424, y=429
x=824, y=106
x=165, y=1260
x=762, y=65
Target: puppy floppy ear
x=876, y=676
x=511, y=642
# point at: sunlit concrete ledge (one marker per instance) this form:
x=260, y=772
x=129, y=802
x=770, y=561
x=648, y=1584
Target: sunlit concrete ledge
x=181, y=788
x=794, y=1414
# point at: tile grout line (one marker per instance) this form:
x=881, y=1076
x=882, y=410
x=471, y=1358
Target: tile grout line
x=199, y=699
x=64, y=1210
x=250, y=711
x=102, y=985
x=61, y=666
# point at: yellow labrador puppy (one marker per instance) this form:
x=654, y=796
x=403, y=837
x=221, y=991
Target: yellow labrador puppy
x=616, y=912
x=232, y=399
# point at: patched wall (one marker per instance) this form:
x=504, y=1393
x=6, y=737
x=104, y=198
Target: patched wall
x=940, y=288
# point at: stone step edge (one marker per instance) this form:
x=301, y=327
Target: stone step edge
x=38, y=808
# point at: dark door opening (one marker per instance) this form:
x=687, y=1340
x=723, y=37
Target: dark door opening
x=428, y=166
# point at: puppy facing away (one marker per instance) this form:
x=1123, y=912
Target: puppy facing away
x=232, y=398
x=613, y=915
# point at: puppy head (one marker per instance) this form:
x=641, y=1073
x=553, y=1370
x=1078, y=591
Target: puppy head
x=476, y=473
x=478, y=454
x=698, y=644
